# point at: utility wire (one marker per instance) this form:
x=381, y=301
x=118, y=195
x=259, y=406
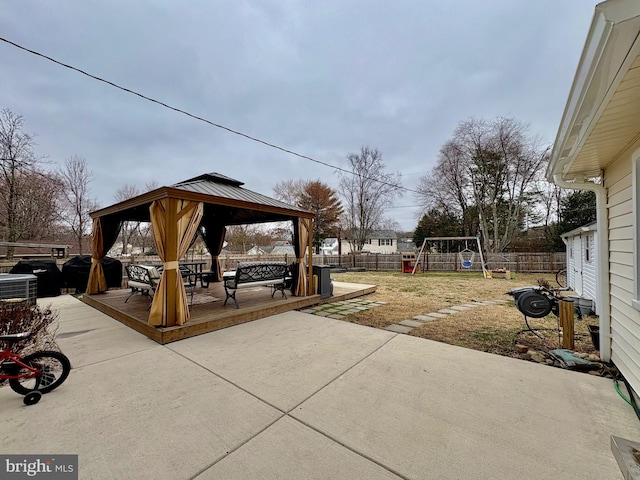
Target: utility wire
x=196, y=117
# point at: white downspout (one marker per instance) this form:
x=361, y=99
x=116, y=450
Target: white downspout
x=603, y=294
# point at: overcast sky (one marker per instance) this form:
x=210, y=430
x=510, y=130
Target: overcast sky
x=320, y=78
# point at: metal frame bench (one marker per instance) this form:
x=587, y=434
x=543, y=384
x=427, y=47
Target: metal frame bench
x=252, y=274
x=142, y=279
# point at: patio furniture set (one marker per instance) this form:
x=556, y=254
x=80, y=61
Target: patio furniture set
x=144, y=279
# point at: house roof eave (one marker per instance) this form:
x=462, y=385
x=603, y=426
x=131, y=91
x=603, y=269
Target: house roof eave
x=610, y=49
x=592, y=227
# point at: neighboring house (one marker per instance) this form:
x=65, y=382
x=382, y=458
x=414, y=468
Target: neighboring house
x=329, y=246
x=382, y=241
x=256, y=250
x=599, y=137
x=282, y=247
x=379, y=241
x=582, y=265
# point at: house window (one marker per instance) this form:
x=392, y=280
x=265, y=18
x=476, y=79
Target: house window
x=587, y=248
x=385, y=242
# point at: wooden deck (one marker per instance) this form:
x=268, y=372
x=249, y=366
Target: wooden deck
x=211, y=314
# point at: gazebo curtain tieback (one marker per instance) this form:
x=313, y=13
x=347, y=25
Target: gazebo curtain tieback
x=97, y=260
x=171, y=265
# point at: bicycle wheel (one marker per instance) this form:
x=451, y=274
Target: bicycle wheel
x=55, y=368
x=561, y=278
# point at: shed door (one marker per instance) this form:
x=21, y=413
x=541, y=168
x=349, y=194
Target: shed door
x=578, y=252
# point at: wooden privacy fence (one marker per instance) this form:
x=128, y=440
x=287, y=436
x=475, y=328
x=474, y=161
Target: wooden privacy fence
x=383, y=262
x=448, y=262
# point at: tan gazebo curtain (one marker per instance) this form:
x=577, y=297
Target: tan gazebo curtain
x=213, y=235
x=175, y=222
x=301, y=232
x=104, y=234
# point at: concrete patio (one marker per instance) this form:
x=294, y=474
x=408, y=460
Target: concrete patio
x=298, y=396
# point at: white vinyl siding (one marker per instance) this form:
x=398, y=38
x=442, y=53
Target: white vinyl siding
x=621, y=221
x=578, y=262
x=589, y=270
x=582, y=274
x=571, y=263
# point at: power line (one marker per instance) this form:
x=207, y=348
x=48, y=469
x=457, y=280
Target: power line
x=196, y=117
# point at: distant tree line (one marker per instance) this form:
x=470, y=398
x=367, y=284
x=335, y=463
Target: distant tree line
x=37, y=202
x=488, y=181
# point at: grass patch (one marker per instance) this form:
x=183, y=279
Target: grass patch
x=493, y=329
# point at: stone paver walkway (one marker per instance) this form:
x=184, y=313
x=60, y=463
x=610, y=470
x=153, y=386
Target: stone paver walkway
x=407, y=326
x=339, y=310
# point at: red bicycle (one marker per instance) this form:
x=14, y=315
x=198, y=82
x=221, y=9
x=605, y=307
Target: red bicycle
x=34, y=374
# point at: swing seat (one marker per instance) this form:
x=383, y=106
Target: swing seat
x=468, y=261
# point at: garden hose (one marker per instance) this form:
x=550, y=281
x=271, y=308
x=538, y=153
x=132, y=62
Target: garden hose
x=617, y=376
x=617, y=386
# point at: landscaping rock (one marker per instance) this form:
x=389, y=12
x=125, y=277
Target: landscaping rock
x=537, y=356
x=593, y=358
x=522, y=348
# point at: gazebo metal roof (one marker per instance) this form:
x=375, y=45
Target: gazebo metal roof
x=224, y=199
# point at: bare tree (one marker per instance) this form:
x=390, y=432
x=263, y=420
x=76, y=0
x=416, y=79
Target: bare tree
x=289, y=191
x=38, y=209
x=445, y=188
x=144, y=231
x=366, y=192
x=239, y=238
x=78, y=202
x=16, y=158
x=504, y=165
x=128, y=228
x=488, y=171
x=281, y=231
x=389, y=224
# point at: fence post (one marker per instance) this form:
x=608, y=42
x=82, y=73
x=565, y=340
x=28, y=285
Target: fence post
x=567, y=323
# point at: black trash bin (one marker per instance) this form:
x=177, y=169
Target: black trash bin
x=48, y=275
x=325, y=287
x=75, y=272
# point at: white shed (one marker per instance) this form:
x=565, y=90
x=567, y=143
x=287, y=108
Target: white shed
x=582, y=264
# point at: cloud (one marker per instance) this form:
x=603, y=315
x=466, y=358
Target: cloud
x=320, y=78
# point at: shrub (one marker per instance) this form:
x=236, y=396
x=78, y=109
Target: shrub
x=40, y=320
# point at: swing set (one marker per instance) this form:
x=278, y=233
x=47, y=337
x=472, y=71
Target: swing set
x=466, y=255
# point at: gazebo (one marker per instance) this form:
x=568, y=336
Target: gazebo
x=207, y=203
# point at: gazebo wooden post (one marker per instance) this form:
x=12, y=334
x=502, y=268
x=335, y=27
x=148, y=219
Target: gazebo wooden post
x=310, y=291
x=171, y=250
